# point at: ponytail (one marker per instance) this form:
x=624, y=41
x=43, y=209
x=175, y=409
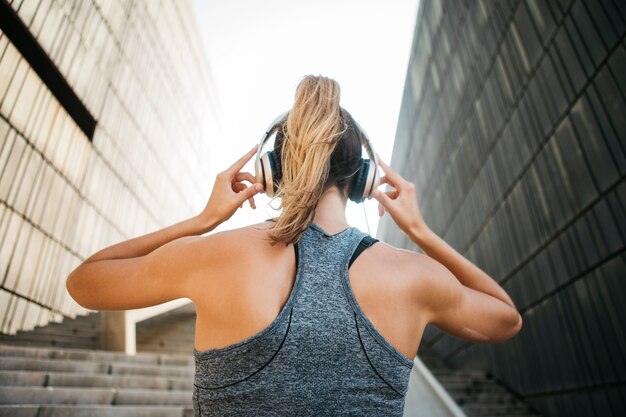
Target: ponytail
x=313, y=127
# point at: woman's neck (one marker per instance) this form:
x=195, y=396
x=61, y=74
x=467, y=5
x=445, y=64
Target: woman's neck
x=330, y=213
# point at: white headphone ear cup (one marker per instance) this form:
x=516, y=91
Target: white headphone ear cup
x=376, y=179
x=267, y=173
x=370, y=181
x=258, y=172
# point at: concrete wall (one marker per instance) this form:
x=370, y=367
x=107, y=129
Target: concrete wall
x=513, y=128
x=139, y=70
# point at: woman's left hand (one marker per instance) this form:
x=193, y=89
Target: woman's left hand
x=229, y=191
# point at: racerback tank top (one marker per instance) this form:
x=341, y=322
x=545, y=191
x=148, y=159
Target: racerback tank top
x=321, y=356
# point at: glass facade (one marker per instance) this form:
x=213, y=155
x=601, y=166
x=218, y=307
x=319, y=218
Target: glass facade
x=140, y=71
x=513, y=129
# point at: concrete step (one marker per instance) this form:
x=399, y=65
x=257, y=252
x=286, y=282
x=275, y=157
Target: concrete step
x=63, y=379
x=475, y=391
x=53, y=340
x=171, y=332
x=91, y=331
x=91, y=355
x=480, y=410
x=93, y=411
x=51, y=365
x=468, y=373
x=55, y=395
x=92, y=367
x=23, y=378
x=58, y=370
x=124, y=368
x=475, y=386
x=95, y=396
x=487, y=398
x=80, y=332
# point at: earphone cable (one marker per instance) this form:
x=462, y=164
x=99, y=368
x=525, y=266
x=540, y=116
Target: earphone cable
x=366, y=222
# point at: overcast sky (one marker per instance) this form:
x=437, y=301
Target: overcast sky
x=259, y=50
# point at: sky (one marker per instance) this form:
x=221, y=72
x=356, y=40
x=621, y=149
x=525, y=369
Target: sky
x=259, y=50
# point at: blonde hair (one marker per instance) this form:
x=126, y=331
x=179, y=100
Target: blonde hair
x=313, y=127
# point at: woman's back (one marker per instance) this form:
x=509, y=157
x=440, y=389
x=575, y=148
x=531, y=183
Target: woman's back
x=280, y=334
x=324, y=339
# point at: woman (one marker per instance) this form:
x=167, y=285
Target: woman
x=289, y=320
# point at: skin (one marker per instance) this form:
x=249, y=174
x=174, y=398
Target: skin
x=239, y=292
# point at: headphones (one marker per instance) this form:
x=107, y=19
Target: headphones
x=268, y=169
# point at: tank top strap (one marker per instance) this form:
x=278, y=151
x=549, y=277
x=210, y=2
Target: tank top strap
x=322, y=259
x=332, y=250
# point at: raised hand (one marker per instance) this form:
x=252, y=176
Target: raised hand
x=400, y=203
x=230, y=192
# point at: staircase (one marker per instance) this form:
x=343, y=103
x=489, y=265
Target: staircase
x=37, y=382
x=478, y=393
x=57, y=370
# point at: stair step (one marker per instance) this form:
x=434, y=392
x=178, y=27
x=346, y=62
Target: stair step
x=485, y=398
x=19, y=410
x=56, y=395
x=90, y=355
x=22, y=378
x=464, y=389
x=88, y=345
x=93, y=411
x=465, y=378
x=96, y=396
x=55, y=343
x=123, y=368
x=91, y=367
x=73, y=331
x=52, y=339
x=465, y=373
x=62, y=379
x=51, y=365
x=480, y=410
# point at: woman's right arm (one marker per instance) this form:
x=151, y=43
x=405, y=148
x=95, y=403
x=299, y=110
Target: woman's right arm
x=458, y=297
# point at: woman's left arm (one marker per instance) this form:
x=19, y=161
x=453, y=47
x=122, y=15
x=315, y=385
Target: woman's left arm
x=156, y=267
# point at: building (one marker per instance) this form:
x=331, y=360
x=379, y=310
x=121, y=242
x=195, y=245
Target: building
x=107, y=109
x=513, y=129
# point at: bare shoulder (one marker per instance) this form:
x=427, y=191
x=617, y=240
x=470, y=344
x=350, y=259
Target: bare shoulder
x=223, y=245
x=399, y=266
x=421, y=275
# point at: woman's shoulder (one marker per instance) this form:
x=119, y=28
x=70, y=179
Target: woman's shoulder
x=236, y=242
x=402, y=258
x=400, y=268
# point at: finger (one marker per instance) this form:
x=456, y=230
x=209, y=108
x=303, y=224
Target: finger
x=241, y=176
x=248, y=192
x=252, y=204
x=391, y=187
x=392, y=177
x=239, y=186
x=392, y=194
x=382, y=198
x=237, y=166
x=381, y=210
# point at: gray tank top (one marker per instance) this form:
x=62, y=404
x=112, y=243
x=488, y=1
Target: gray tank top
x=321, y=356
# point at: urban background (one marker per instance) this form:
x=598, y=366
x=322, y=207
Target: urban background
x=512, y=127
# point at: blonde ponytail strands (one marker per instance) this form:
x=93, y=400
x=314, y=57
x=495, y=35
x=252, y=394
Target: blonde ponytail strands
x=313, y=127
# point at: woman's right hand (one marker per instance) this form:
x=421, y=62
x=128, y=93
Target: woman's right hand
x=400, y=203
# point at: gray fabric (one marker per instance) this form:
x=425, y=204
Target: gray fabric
x=320, y=356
